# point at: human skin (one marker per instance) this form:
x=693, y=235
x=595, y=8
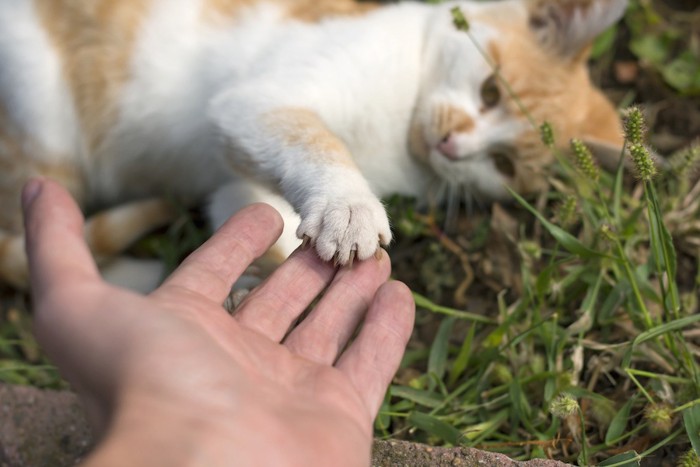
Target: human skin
x=172, y=379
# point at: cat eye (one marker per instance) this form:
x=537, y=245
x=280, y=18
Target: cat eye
x=490, y=92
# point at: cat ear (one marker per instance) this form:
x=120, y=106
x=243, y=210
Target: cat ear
x=569, y=26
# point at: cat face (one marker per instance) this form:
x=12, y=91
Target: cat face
x=486, y=92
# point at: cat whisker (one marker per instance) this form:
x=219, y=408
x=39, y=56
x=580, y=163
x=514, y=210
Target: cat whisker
x=305, y=242
x=468, y=201
x=452, y=210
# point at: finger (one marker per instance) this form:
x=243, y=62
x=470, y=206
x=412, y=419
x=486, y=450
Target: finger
x=212, y=268
x=373, y=358
x=56, y=250
x=272, y=307
x=324, y=333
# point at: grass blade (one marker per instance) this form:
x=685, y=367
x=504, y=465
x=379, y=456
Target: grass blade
x=568, y=241
x=691, y=420
x=657, y=331
x=462, y=360
x=422, y=398
x=437, y=361
x=436, y=427
x=619, y=423
x=626, y=459
x=423, y=302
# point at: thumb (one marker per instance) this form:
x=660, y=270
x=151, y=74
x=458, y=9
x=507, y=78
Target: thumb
x=56, y=250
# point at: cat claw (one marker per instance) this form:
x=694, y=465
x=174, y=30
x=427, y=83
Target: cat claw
x=379, y=253
x=305, y=242
x=351, y=259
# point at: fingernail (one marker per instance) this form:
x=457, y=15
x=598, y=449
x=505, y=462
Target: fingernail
x=30, y=191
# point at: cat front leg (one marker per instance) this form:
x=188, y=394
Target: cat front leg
x=293, y=150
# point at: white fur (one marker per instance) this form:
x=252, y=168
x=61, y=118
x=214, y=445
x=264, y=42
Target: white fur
x=195, y=109
x=31, y=82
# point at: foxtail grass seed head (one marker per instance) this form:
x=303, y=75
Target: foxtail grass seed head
x=566, y=215
x=634, y=125
x=584, y=160
x=530, y=249
x=459, y=20
x=660, y=418
x=563, y=405
x=643, y=162
x=547, y=134
x=689, y=459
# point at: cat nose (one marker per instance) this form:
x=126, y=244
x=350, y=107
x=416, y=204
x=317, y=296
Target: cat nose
x=448, y=147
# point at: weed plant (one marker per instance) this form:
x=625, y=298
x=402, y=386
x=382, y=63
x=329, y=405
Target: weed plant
x=596, y=362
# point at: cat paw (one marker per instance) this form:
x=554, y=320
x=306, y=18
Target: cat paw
x=342, y=230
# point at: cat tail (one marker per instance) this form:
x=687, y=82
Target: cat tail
x=13, y=261
x=108, y=233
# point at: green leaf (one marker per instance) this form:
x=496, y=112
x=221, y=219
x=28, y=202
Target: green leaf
x=436, y=427
x=615, y=297
x=423, y=302
x=683, y=73
x=619, y=423
x=664, y=251
x=657, y=331
x=568, y=241
x=604, y=43
x=383, y=420
x=462, y=360
x=652, y=48
x=691, y=420
x=422, y=398
x=661, y=329
x=437, y=361
x=626, y=459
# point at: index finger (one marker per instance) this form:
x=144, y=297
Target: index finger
x=211, y=270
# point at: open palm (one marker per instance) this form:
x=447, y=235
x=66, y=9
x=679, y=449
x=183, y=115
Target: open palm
x=175, y=374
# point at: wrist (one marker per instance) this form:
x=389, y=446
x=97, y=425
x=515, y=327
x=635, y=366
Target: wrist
x=161, y=432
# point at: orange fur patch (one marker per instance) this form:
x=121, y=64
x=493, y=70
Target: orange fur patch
x=449, y=119
x=13, y=263
x=555, y=90
x=95, y=39
x=552, y=89
x=316, y=10
x=111, y=231
x=302, y=128
x=303, y=10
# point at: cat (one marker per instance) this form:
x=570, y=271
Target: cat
x=320, y=107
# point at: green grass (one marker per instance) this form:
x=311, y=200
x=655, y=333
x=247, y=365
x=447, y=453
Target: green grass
x=595, y=359
x=601, y=320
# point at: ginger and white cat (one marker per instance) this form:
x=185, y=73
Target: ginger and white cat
x=329, y=103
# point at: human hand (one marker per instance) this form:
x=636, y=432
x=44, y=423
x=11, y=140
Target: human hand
x=171, y=378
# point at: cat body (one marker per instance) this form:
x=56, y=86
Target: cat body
x=326, y=106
